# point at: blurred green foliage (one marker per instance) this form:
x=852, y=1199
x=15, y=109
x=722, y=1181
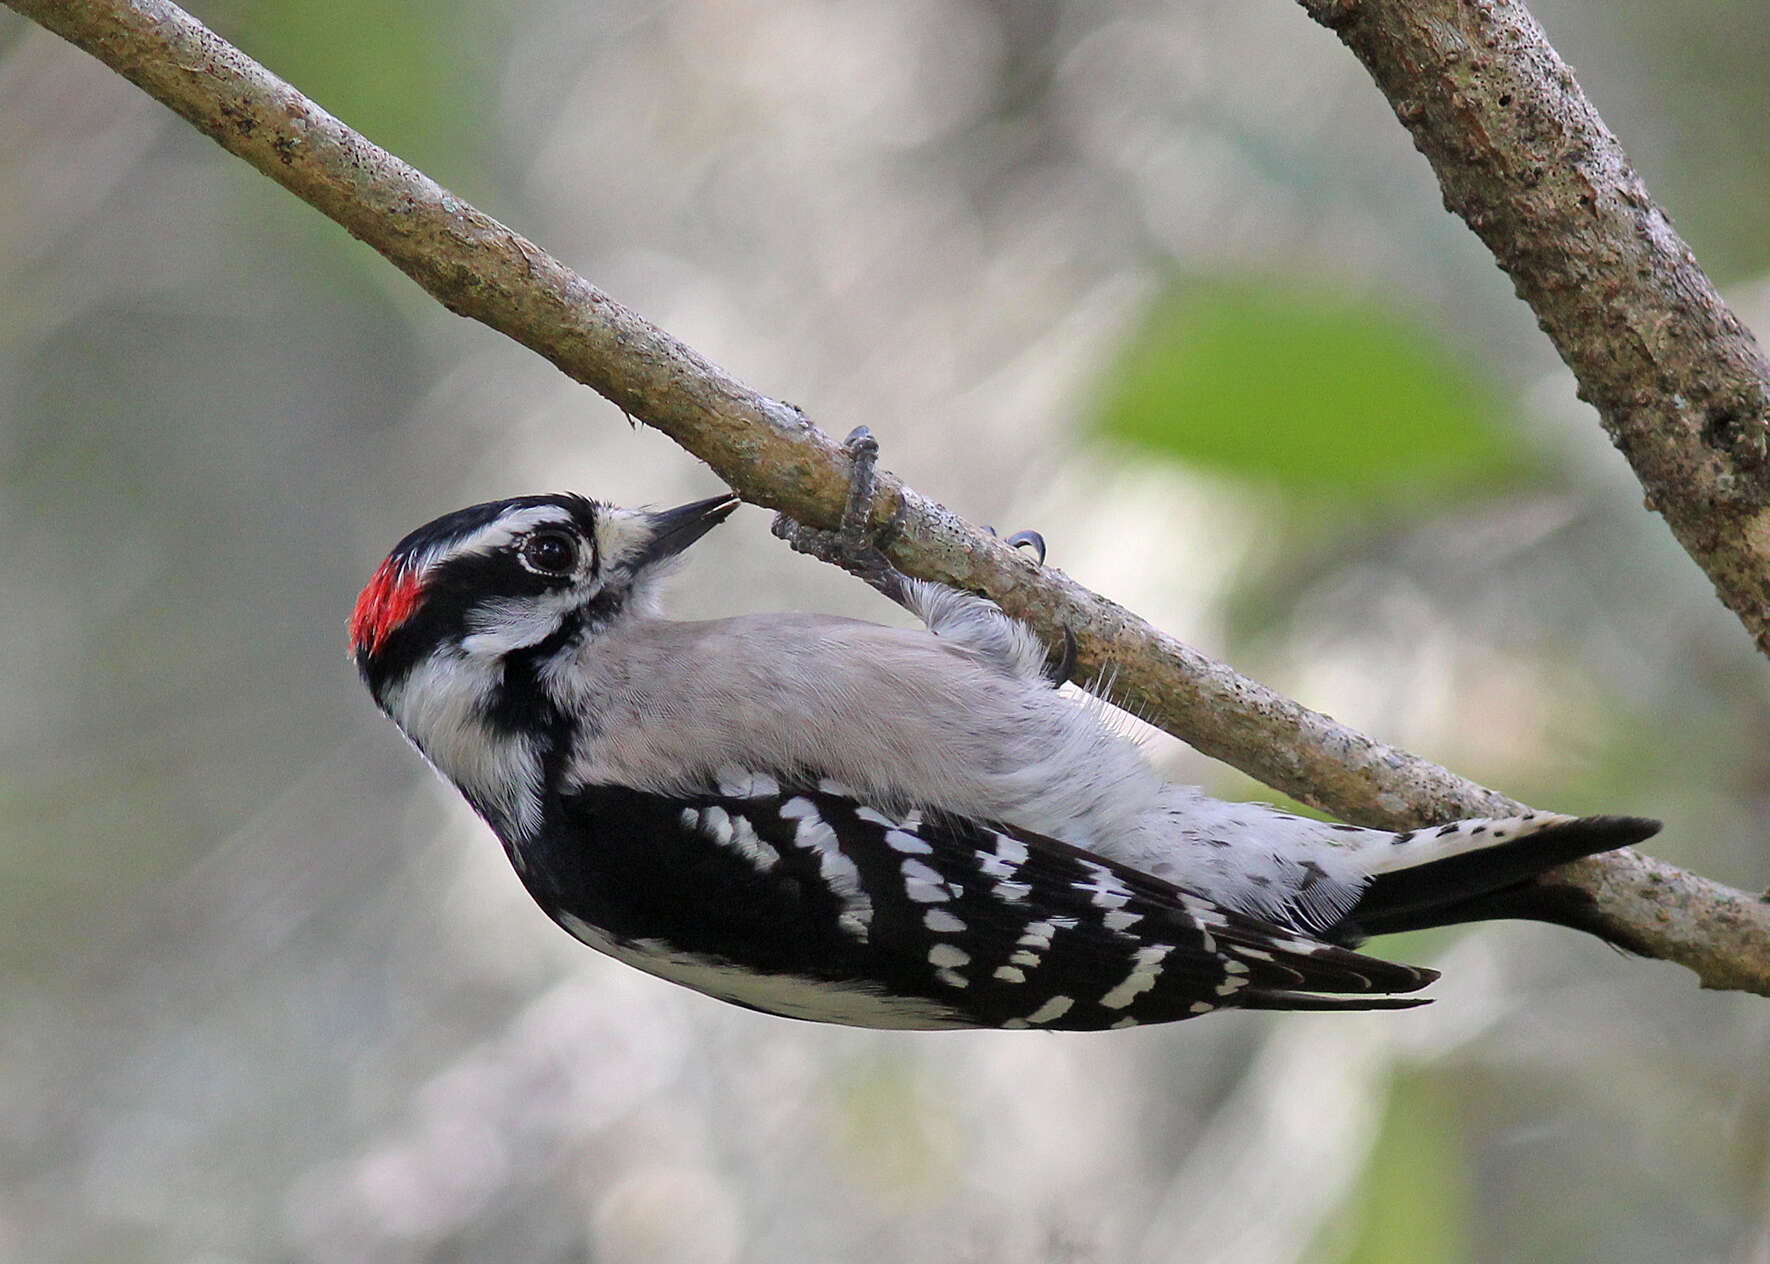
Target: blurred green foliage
x=1413, y=1203
x=1325, y=398
x=412, y=78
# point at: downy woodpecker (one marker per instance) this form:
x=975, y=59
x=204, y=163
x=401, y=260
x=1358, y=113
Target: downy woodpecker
x=839, y=821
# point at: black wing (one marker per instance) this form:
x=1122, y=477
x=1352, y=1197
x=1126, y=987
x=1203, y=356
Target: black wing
x=987, y=926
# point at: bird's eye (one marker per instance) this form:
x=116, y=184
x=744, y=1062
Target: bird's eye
x=550, y=553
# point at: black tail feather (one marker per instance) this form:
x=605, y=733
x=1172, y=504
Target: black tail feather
x=1304, y=1001
x=1492, y=882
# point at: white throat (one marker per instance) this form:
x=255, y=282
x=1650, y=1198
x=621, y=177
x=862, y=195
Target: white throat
x=441, y=707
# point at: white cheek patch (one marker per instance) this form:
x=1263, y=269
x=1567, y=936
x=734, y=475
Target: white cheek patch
x=497, y=627
x=438, y=707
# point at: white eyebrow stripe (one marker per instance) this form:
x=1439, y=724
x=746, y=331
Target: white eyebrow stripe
x=503, y=531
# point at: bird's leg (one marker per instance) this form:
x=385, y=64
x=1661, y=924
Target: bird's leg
x=853, y=547
x=859, y=552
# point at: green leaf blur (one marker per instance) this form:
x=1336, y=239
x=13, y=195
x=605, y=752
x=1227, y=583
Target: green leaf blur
x=1413, y=1204
x=407, y=76
x=1324, y=398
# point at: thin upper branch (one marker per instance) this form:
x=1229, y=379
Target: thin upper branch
x=1680, y=384
x=772, y=455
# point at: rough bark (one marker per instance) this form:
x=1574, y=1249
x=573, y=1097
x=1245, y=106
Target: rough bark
x=771, y=455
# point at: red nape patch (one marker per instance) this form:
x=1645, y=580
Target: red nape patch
x=387, y=602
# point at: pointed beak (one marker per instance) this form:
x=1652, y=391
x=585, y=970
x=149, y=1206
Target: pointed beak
x=673, y=530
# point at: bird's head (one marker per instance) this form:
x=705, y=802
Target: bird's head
x=512, y=577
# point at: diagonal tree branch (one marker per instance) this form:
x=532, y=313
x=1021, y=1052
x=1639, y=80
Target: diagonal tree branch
x=1682, y=387
x=771, y=455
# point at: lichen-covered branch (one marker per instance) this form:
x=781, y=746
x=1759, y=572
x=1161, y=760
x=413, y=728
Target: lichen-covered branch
x=1681, y=386
x=771, y=455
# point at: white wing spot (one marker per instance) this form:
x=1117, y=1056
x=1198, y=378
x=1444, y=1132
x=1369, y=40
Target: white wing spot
x=734, y=832
x=1123, y=1023
x=942, y=922
x=1203, y=911
x=1202, y=1007
x=1052, y=1010
x=1037, y=938
x=716, y=823
x=1038, y=935
x=904, y=842
x=748, y=785
x=874, y=817
x=922, y=884
x=1010, y=974
x=948, y=955
x=839, y=873
x=1234, y=983
x=1011, y=849
x=1235, y=967
x=1105, y=891
x=1005, y=860
x=1253, y=954
x=750, y=847
x=1146, y=968
x=1011, y=891
x=1118, y=919
x=1015, y=1024
x=952, y=978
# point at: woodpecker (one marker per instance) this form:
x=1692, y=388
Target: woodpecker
x=834, y=820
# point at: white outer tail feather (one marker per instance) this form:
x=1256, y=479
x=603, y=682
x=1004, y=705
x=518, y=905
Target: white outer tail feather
x=1440, y=842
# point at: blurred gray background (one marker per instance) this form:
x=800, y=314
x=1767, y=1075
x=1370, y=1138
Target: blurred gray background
x=1166, y=281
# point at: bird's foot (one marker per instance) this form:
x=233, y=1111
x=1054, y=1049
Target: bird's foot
x=1063, y=666
x=858, y=550
x=853, y=546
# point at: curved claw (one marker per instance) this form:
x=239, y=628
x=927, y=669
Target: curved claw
x=1022, y=539
x=1063, y=666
